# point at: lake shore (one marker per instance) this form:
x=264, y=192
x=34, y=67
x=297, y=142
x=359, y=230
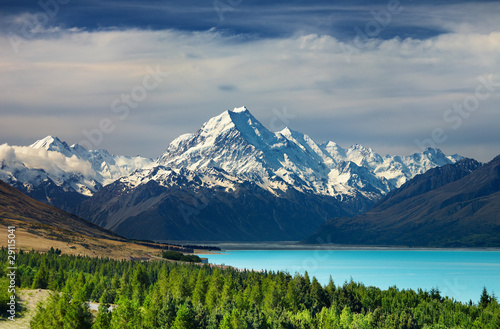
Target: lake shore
x=296, y=245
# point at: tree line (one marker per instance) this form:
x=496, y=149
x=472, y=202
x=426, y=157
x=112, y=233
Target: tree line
x=176, y=255
x=158, y=294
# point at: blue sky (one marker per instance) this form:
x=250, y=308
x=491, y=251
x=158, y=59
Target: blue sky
x=395, y=76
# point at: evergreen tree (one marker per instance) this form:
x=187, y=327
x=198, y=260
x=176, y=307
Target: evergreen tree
x=41, y=279
x=485, y=298
x=200, y=289
x=167, y=313
x=126, y=316
x=139, y=283
x=62, y=312
x=226, y=322
x=318, y=296
x=184, y=319
x=214, y=290
x=103, y=319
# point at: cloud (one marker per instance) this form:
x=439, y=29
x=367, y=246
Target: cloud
x=386, y=93
x=54, y=163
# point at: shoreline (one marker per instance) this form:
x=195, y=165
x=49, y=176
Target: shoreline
x=295, y=245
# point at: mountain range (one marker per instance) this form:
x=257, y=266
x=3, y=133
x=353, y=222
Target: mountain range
x=60, y=175
x=456, y=205
x=233, y=179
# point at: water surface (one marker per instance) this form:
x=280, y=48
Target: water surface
x=458, y=274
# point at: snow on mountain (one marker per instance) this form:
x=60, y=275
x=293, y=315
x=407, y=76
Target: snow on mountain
x=240, y=145
x=233, y=179
x=169, y=177
x=228, y=150
x=50, y=163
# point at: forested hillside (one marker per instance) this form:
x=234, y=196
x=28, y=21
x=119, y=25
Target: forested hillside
x=160, y=294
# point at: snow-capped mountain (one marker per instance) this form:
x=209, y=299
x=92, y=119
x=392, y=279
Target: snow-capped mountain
x=239, y=144
x=51, y=171
x=106, y=167
x=234, y=179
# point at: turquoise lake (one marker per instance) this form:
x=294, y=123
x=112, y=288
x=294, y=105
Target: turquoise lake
x=458, y=274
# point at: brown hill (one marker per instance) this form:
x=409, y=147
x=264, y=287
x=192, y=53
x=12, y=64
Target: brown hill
x=40, y=226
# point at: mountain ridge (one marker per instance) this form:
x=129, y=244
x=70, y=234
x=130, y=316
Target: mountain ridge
x=460, y=210
x=292, y=156
x=239, y=166
x=60, y=175
x=16, y=205
x=232, y=157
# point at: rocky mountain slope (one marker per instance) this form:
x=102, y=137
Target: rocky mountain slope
x=451, y=206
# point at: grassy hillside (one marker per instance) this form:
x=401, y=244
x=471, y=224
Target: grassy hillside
x=40, y=227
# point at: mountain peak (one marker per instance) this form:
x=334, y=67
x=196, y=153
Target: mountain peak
x=78, y=148
x=286, y=132
x=239, y=109
x=239, y=119
x=46, y=143
x=432, y=150
x=51, y=143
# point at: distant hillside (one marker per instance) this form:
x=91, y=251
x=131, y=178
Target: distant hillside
x=456, y=205
x=15, y=205
x=39, y=227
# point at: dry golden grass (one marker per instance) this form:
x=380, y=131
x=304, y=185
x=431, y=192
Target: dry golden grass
x=40, y=227
x=36, y=237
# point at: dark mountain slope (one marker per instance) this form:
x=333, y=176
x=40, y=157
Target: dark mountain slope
x=14, y=205
x=448, y=206
x=188, y=210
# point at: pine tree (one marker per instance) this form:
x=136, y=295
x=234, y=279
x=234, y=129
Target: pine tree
x=318, y=296
x=330, y=289
x=214, y=290
x=485, y=298
x=41, y=279
x=228, y=290
x=103, y=320
x=139, y=283
x=62, y=312
x=200, y=289
x=126, y=316
x=226, y=322
x=167, y=313
x=237, y=320
x=184, y=319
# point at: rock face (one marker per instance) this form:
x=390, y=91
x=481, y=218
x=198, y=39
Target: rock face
x=451, y=206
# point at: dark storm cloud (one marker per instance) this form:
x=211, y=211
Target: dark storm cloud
x=263, y=18
x=276, y=57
